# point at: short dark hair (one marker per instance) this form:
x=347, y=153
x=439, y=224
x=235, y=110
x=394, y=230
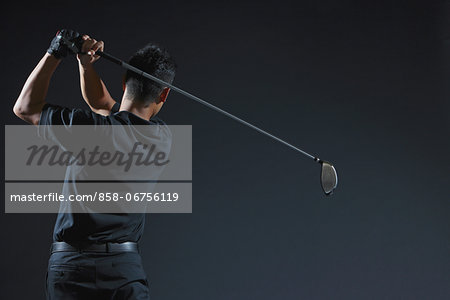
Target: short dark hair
x=156, y=61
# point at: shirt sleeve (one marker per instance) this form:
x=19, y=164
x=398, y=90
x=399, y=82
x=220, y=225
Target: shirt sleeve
x=58, y=115
x=53, y=115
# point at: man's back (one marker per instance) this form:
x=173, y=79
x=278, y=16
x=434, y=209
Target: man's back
x=119, y=132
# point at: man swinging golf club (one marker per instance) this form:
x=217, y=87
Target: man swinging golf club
x=95, y=256
x=142, y=99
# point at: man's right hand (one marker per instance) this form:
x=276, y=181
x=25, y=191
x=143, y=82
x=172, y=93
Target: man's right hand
x=89, y=47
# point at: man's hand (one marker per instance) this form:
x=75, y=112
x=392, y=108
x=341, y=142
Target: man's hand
x=58, y=48
x=93, y=89
x=90, y=46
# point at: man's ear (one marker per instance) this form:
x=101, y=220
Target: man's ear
x=164, y=94
x=123, y=83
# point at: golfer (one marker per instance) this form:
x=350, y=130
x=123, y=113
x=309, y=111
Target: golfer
x=96, y=256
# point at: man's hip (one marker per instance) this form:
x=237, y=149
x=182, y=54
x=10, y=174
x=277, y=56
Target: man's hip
x=84, y=274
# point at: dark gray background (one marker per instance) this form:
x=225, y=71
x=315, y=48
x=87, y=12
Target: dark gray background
x=359, y=83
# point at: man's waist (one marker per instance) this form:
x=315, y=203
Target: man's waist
x=95, y=248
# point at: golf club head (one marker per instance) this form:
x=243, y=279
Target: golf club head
x=328, y=178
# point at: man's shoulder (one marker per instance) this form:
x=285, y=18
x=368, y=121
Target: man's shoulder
x=158, y=121
x=53, y=114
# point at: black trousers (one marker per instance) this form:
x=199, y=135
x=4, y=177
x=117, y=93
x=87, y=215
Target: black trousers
x=75, y=275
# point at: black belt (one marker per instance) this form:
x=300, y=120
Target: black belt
x=98, y=248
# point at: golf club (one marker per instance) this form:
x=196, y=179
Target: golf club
x=328, y=176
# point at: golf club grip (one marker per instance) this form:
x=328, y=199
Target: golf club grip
x=197, y=99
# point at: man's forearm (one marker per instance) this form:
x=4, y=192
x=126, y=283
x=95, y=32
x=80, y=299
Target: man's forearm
x=93, y=89
x=32, y=97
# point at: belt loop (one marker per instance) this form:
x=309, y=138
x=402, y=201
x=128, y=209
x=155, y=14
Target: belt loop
x=79, y=248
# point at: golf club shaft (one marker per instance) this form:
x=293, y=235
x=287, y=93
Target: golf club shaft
x=195, y=98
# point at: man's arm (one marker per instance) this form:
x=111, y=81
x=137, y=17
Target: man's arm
x=93, y=89
x=31, y=100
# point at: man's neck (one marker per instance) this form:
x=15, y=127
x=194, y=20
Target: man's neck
x=137, y=109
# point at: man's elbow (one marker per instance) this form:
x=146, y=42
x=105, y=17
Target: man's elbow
x=28, y=114
x=21, y=110
x=18, y=110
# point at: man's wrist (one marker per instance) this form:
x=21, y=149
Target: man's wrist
x=85, y=67
x=51, y=58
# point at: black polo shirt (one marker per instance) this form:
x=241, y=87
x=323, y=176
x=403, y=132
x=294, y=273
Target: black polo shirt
x=94, y=227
